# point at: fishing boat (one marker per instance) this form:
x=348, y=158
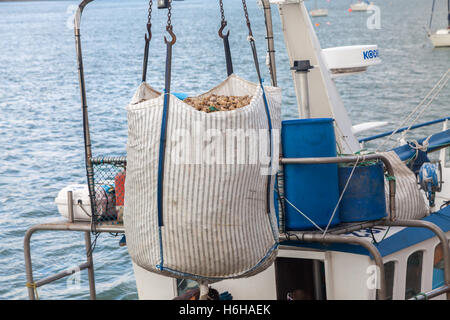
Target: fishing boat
x=351, y=223
x=318, y=12
x=360, y=6
x=440, y=38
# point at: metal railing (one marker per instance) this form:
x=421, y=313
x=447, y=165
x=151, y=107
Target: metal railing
x=337, y=235
x=420, y=125
x=69, y=225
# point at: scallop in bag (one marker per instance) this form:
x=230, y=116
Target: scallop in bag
x=199, y=195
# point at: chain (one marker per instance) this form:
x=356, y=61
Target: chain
x=222, y=12
x=148, y=37
x=244, y=4
x=169, y=15
x=150, y=4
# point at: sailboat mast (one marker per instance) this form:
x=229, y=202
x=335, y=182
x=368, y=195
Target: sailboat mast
x=448, y=16
x=432, y=12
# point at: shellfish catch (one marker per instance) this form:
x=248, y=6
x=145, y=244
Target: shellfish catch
x=215, y=102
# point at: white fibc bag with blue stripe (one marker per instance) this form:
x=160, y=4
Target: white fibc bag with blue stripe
x=202, y=209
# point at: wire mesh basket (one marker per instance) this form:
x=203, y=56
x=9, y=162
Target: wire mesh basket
x=107, y=189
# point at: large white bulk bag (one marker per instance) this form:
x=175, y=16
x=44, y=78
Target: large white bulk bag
x=409, y=201
x=215, y=219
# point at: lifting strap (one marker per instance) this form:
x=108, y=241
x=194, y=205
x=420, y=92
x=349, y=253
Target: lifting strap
x=162, y=142
x=251, y=39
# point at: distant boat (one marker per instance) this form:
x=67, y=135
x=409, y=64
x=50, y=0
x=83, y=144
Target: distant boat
x=317, y=12
x=360, y=6
x=441, y=38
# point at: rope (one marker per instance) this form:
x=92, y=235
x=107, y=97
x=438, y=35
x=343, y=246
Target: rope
x=337, y=204
x=304, y=215
x=342, y=195
x=374, y=241
x=34, y=287
x=440, y=84
x=93, y=244
x=415, y=145
x=82, y=208
x=426, y=107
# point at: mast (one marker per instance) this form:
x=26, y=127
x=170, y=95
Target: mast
x=448, y=15
x=432, y=12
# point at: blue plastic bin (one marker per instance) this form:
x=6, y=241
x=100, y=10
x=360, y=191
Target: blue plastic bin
x=364, y=198
x=313, y=189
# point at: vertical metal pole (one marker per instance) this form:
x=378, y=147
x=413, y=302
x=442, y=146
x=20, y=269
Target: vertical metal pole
x=270, y=43
x=301, y=69
x=448, y=16
x=317, y=277
x=87, y=137
x=204, y=290
x=28, y=265
x=432, y=12
x=304, y=108
x=90, y=260
x=70, y=206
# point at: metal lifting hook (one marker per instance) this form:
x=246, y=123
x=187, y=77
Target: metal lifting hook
x=148, y=35
x=174, y=37
x=223, y=25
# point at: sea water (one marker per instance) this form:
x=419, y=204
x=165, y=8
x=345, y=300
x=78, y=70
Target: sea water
x=41, y=133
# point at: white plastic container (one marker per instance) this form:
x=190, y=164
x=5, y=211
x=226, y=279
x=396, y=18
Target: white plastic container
x=80, y=194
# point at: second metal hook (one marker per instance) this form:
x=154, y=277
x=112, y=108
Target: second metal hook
x=148, y=36
x=224, y=24
x=174, y=37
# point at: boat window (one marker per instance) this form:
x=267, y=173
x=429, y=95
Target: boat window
x=447, y=157
x=389, y=273
x=300, y=279
x=414, y=275
x=438, y=267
